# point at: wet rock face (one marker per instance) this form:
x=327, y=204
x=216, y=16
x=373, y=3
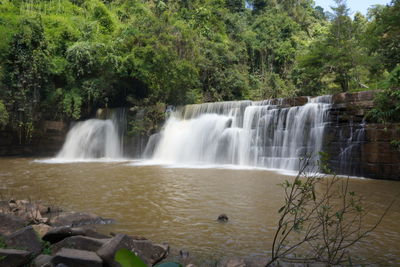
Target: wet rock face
x=47, y=140
x=356, y=146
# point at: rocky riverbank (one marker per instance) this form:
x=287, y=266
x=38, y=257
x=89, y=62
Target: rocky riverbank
x=32, y=234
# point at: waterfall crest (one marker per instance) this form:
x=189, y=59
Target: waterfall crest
x=257, y=134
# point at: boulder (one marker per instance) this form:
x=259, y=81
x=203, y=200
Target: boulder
x=79, y=242
x=25, y=238
x=222, y=218
x=41, y=229
x=10, y=223
x=13, y=257
x=74, y=219
x=27, y=210
x=75, y=257
x=150, y=253
x=59, y=233
x=42, y=260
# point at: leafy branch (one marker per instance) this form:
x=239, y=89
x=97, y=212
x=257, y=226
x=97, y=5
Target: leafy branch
x=326, y=222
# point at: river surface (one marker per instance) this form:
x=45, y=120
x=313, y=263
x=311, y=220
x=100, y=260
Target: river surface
x=180, y=205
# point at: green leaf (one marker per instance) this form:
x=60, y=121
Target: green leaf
x=128, y=259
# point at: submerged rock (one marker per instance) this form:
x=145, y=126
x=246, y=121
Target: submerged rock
x=223, y=218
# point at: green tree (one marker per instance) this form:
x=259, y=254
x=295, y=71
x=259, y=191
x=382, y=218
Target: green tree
x=337, y=61
x=26, y=75
x=383, y=35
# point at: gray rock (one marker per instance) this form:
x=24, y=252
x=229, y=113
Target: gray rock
x=222, y=217
x=13, y=257
x=150, y=253
x=42, y=260
x=59, y=233
x=75, y=257
x=10, y=223
x=79, y=242
x=26, y=239
x=108, y=250
x=41, y=229
x=74, y=219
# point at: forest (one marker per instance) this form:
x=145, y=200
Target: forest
x=63, y=59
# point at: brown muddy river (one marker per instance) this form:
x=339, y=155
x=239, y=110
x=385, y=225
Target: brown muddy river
x=180, y=206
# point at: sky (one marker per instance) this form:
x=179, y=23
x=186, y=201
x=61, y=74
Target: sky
x=354, y=5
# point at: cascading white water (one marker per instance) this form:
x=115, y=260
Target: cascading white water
x=91, y=139
x=244, y=133
x=96, y=138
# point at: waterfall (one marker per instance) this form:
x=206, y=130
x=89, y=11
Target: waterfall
x=268, y=134
x=96, y=138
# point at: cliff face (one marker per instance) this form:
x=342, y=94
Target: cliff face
x=358, y=147
x=46, y=140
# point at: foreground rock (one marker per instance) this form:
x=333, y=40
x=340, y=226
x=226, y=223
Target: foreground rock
x=74, y=257
x=79, y=242
x=150, y=253
x=13, y=257
x=10, y=223
x=26, y=239
x=42, y=260
x=41, y=229
x=59, y=233
x=27, y=210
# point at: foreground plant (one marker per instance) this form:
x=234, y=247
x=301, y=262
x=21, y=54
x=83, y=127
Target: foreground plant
x=319, y=225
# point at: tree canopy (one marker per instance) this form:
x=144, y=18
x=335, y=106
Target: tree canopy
x=63, y=59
